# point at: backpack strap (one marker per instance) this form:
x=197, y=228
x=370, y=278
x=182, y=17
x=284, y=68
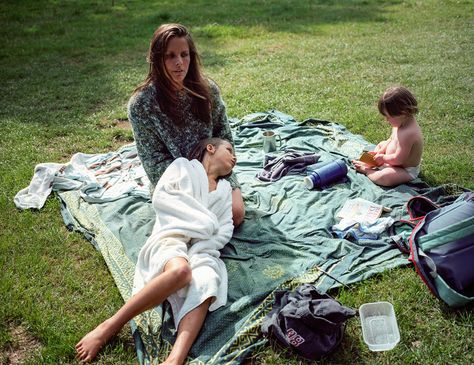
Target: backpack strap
x=429, y=263
x=419, y=206
x=416, y=254
x=400, y=232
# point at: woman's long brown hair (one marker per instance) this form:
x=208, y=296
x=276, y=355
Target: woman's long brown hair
x=194, y=83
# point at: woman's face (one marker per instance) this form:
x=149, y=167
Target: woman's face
x=224, y=158
x=177, y=59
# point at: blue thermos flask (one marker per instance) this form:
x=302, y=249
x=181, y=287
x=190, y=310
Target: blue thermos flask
x=326, y=175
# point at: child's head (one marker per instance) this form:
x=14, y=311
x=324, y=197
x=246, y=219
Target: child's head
x=397, y=101
x=218, y=152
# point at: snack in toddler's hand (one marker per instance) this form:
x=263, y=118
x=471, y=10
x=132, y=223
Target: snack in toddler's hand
x=368, y=158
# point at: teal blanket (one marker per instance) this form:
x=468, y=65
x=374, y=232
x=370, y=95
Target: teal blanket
x=285, y=236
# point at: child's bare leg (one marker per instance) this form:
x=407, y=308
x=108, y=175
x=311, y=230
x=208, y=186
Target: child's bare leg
x=389, y=176
x=176, y=275
x=188, y=330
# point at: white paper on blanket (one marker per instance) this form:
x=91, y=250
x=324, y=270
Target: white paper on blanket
x=192, y=223
x=360, y=210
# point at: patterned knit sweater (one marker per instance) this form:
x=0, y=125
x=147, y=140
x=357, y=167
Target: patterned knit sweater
x=159, y=141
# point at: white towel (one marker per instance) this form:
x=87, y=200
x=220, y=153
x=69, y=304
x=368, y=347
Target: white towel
x=193, y=223
x=34, y=195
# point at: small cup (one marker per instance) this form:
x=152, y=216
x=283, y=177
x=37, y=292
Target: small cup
x=270, y=139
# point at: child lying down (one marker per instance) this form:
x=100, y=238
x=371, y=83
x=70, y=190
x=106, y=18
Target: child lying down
x=180, y=260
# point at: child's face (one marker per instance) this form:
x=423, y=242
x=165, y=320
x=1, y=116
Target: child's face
x=224, y=158
x=397, y=120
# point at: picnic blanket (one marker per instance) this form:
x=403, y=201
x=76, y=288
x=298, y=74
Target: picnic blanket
x=285, y=236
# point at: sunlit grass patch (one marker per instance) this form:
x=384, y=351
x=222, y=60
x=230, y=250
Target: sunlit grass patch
x=68, y=69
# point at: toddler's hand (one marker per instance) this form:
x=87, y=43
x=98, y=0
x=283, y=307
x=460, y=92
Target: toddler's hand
x=378, y=158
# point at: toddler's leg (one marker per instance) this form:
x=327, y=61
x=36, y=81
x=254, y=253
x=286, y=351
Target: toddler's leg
x=176, y=275
x=388, y=176
x=188, y=330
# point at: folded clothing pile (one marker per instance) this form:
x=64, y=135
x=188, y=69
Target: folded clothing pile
x=290, y=163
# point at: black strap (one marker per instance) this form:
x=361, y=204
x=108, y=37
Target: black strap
x=396, y=238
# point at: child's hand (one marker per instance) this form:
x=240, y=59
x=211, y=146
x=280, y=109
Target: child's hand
x=378, y=158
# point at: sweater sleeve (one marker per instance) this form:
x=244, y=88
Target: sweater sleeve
x=152, y=151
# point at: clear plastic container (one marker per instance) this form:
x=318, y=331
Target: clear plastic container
x=379, y=326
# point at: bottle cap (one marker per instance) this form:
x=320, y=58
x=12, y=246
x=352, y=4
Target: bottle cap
x=308, y=182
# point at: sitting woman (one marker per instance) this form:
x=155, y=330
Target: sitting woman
x=180, y=260
x=177, y=106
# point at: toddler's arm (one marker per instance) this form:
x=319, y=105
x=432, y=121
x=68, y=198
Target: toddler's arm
x=382, y=146
x=400, y=155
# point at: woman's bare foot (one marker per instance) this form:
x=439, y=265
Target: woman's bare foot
x=88, y=347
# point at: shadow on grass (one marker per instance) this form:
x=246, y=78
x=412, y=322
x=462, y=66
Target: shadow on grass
x=461, y=316
x=62, y=61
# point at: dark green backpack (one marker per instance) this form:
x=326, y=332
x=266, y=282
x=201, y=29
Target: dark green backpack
x=441, y=246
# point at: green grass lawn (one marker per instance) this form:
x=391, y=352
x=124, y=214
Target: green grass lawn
x=68, y=69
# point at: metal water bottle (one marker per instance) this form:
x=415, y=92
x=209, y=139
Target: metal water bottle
x=326, y=175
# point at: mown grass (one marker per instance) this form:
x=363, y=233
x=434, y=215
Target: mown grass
x=68, y=69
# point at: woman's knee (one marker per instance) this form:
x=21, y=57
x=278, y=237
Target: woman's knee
x=380, y=180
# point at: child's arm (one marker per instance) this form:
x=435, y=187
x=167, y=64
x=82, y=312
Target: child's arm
x=401, y=154
x=382, y=146
x=378, y=150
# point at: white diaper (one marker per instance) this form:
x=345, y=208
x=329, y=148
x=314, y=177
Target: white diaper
x=413, y=171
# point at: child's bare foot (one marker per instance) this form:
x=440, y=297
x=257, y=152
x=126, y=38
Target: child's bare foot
x=361, y=166
x=88, y=347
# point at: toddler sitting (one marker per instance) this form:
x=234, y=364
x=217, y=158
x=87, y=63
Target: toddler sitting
x=398, y=158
